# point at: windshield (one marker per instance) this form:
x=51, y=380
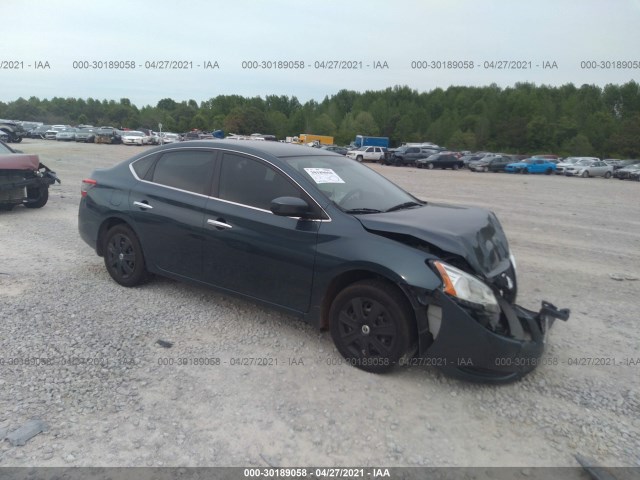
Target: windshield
x=584, y=162
x=134, y=134
x=352, y=186
x=5, y=149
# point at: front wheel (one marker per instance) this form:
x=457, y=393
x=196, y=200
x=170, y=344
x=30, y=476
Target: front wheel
x=430, y=166
x=37, y=197
x=585, y=174
x=359, y=158
x=123, y=257
x=456, y=166
x=371, y=325
x=607, y=175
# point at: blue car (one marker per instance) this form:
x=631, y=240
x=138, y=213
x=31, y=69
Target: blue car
x=532, y=165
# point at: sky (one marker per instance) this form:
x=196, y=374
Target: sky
x=71, y=48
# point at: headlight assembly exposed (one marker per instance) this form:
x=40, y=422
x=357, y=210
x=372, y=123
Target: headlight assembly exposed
x=466, y=287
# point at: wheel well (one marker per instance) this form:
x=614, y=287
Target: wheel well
x=344, y=280
x=104, y=228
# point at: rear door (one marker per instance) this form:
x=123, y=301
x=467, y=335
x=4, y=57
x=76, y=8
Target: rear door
x=167, y=206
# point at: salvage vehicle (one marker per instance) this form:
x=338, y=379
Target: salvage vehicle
x=313, y=233
x=367, y=154
x=406, y=155
x=86, y=135
x=108, y=135
x=589, y=168
x=532, y=165
x=441, y=160
x=627, y=172
x=135, y=137
x=490, y=164
x=66, y=135
x=23, y=179
x=15, y=132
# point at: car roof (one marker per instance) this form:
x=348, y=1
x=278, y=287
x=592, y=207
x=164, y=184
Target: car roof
x=276, y=149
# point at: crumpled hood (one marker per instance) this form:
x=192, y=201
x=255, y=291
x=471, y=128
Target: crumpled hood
x=472, y=233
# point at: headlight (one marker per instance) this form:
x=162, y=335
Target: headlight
x=513, y=263
x=466, y=287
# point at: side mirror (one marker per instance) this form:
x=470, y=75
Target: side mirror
x=289, y=207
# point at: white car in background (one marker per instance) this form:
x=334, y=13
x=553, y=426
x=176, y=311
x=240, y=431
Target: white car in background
x=569, y=162
x=52, y=133
x=134, y=137
x=169, y=137
x=589, y=168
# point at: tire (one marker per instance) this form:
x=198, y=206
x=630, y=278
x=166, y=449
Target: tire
x=524, y=171
x=419, y=165
x=37, y=197
x=485, y=169
x=429, y=166
x=359, y=158
x=585, y=174
x=548, y=171
x=372, y=325
x=607, y=175
x=123, y=257
x=456, y=166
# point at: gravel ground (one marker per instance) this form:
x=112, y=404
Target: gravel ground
x=577, y=243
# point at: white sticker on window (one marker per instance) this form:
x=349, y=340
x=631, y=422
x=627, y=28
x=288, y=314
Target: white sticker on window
x=323, y=175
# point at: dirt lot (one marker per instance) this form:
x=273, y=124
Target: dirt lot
x=577, y=244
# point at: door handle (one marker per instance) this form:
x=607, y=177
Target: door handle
x=144, y=204
x=219, y=224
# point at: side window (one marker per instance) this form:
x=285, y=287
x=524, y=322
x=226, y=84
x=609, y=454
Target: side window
x=189, y=170
x=251, y=182
x=142, y=166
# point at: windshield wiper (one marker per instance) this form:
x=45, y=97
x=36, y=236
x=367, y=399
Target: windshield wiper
x=403, y=206
x=363, y=210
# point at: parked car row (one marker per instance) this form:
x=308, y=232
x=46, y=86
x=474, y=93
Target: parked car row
x=104, y=134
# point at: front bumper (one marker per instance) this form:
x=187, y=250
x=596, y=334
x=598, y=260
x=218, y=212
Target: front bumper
x=460, y=346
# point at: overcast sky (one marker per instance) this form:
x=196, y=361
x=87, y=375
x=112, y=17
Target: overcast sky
x=364, y=32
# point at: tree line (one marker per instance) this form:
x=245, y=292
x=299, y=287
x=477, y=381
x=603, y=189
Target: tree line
x=526, y=118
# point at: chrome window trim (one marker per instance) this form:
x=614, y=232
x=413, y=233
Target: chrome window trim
x=135, y=175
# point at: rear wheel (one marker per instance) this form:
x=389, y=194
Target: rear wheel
x=456, y=166
x=123, y=257
x=371, y=325
x=548, y=171
x=37, y=197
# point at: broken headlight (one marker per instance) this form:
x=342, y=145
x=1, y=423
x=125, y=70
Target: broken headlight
x=472, y=292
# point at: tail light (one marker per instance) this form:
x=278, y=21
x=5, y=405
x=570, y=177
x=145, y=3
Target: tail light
x=87, y=184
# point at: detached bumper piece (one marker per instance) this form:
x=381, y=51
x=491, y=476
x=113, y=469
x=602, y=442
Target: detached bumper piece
x=463, y=347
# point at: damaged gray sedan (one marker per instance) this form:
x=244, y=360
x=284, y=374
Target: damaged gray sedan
x=396, y=280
